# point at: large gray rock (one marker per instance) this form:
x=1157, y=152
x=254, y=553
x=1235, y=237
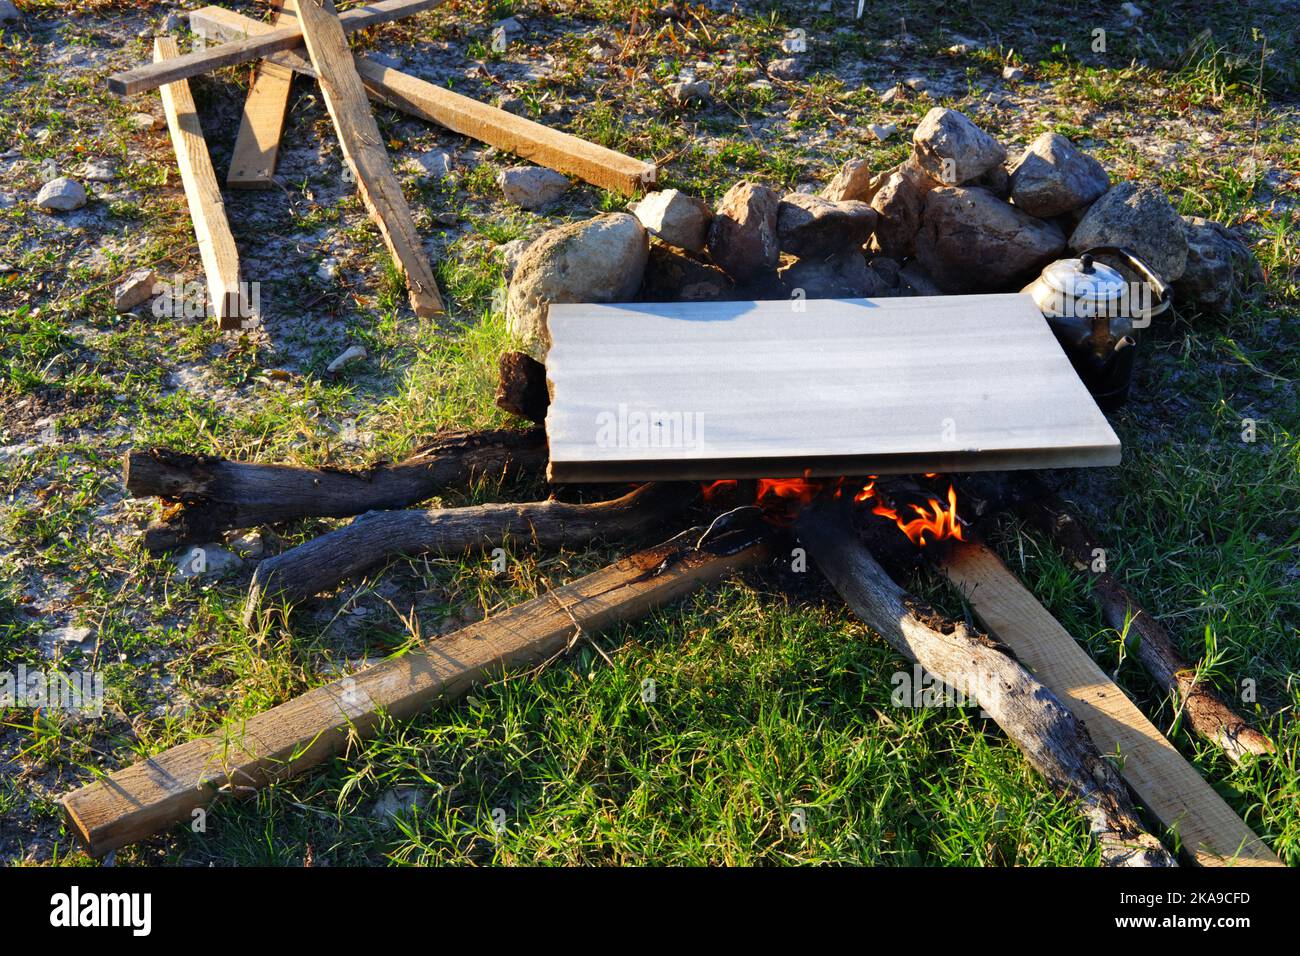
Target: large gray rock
x=742, y=238
x=61, y=195
x=1219, y=267
x=676, y=218
x=953, y=150
x=1139, y=218
x=600, y=260
x=1054, y=177
x=898, y=201
x=971, y=241
x=532, y=187
x=809, y=226
x=8, y=12
x=842, y=276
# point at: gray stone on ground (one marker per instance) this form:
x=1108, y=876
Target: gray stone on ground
x=971, y=241
x=61, y=195
x=400, y=801
x=134, y=290
x=1012, y=73
x=842, y=276
x=205, y=560
x=810, y=226
x=98, y=171
x=743, y=238
x=790, y=68
x=953, y=150
x=146, y=121
x=1054, y=177
x=898, y=202
x=882, y=131
x=8, y=12
x=1139, y=218
x=685, y=91
x=435, y=164
x=1220, y=266
x=676, y=218
x=599, y=260
x=532, y=187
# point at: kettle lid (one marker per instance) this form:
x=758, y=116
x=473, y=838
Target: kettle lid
x=1085, y=279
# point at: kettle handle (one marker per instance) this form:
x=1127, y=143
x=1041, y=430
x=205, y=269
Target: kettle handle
x=1140, y=266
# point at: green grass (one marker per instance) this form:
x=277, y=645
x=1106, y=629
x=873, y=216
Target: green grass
x=770, y=706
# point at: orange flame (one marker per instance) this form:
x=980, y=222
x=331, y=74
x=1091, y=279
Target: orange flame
x=782, y=498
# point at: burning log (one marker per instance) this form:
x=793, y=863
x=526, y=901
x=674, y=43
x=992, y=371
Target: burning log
x=1050, y=737
x=323, y=562
x=1207, y=713
x=139, y=800
x=217, y=495
x=521, y=387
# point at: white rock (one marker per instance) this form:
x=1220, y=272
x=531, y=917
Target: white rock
x=136, y=289
x=436, y=164
x=205, y=560
x=684, y=92
x=352, y=353
x=882, y=131
x=532, y=187
x=69, y=635
x=61, y=195
x=98, y=171
x=1012, y=73
x=144, y=121
x=398, y=801
x=172, y=23
x=327, y=270
x=917, y=83
x=676, y=218
x=892, y=94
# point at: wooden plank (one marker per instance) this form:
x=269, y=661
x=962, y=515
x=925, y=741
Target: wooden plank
x=824, y=387
x=139, y=800
x=534, y=142
x=152, y=75
x=1167, y=784
x=252, y=164
x=364, y=152
x=207, y=211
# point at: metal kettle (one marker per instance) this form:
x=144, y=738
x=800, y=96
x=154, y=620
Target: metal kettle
x=1093, y=309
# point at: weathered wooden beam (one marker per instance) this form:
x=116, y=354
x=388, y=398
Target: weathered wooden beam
x=364, y=151
x=1208, y=714
x=216, y=495
x=324, y=561
x=1034, y=718
x=524, y=138
x=1168, y=786
x=207, y=211
x=140, y=800
x=253, y=48
x=252, y=164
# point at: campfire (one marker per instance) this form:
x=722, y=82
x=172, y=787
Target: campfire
x=781, y=499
